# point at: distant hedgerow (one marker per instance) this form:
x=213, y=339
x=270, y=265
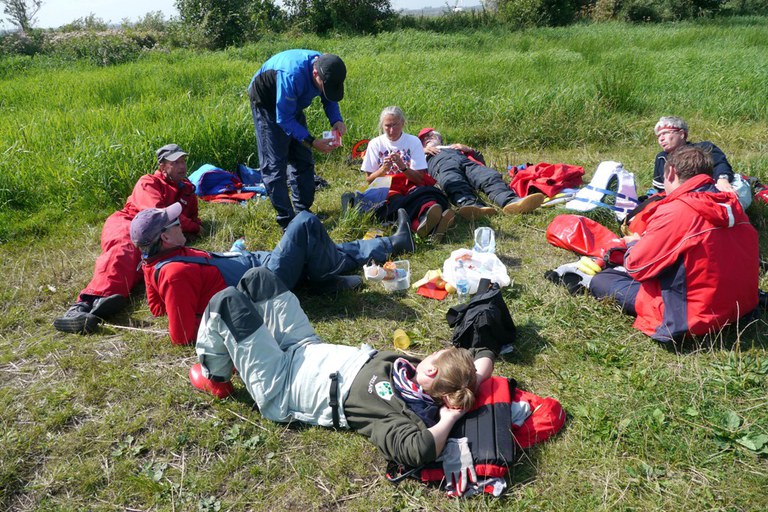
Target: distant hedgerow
x=100, y=48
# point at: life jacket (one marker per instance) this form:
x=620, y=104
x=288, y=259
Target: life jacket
x=487, y=429
x=547, y=178
x=612, y=187
x=762, y=194
x=232, y=266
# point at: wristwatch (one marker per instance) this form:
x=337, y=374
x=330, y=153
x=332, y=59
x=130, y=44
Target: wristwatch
x=308, y=141
x=724, y=177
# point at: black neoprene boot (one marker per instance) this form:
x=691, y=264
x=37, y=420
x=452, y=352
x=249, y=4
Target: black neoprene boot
x=402, y=239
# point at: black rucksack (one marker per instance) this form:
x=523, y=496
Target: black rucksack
x=483, y=322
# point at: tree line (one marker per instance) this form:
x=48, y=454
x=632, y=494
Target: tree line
x=216, y=24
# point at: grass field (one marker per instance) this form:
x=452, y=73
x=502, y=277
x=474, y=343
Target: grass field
x=109, y=421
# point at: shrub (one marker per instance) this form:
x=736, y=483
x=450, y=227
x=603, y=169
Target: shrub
x=639, y=11
x=21, y=43
x=535, y=13
x=215, y=24
x=350, y=16
x=100, y=48
x=12, y=65
x=88, y=23
x=742, y=7
x=451, y=22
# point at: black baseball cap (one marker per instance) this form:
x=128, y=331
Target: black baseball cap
x=332, y=72
x=170, y=152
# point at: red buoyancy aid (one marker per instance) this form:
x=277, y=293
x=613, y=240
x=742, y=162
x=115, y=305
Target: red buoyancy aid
x=547, y=178
x=487, y=429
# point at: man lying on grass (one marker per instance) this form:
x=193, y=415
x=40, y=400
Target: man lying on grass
x=117, y=268
x=461, y=172
x=694, y=268
x=406, y=407
x=181, y=280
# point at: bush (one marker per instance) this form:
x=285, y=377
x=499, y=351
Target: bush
x=12, y=65
x=451, y=22
x=215, y=24
x=349, y=16
x=638, y=11
x=21, y=43
x=655, y=10
x=88, y=23
x=742, y=7
x=99, y=48
x=536, y=13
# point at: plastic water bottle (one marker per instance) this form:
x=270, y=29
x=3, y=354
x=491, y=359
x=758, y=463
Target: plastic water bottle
x=239, y=246
x=485, y=240
x=462, y=283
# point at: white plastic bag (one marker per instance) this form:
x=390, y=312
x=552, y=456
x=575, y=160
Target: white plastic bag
x=478, y=265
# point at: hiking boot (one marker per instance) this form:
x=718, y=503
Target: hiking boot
x=429, y=220
x=447, y=220
x=77, y=320
x=524, y=204
x=105, y=307
x=347, y=202
x=402, y=239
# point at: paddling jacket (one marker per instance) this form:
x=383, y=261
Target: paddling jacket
x=697, y=262
x=284, y=83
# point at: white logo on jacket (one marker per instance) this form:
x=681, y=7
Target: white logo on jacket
x=384, y=390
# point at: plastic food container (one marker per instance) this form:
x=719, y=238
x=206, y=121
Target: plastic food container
x=402, y=278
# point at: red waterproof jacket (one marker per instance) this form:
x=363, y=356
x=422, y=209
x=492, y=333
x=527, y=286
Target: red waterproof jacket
x=116, y=268
x=182, y=291
x=697, y=262
x=155, y=191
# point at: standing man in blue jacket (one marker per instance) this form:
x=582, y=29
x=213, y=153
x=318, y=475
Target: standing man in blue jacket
x=279, y=92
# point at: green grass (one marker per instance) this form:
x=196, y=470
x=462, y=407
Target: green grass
x=109, y=421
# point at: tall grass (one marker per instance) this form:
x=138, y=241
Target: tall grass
x=79, y=136
x=109, y=421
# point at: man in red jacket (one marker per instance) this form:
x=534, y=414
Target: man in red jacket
x=695, y=267
x=181, y=280
x=118, y=267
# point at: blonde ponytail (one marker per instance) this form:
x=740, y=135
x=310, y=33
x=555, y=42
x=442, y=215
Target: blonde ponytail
x=454, y=383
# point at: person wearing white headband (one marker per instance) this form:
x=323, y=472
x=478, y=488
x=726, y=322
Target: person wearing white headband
x=672, y=133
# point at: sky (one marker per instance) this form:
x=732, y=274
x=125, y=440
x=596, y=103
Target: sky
x=55, y=13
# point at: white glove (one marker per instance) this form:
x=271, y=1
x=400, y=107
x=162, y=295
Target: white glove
x=458, y=467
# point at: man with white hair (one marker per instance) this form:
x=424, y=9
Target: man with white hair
x=672, y=133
